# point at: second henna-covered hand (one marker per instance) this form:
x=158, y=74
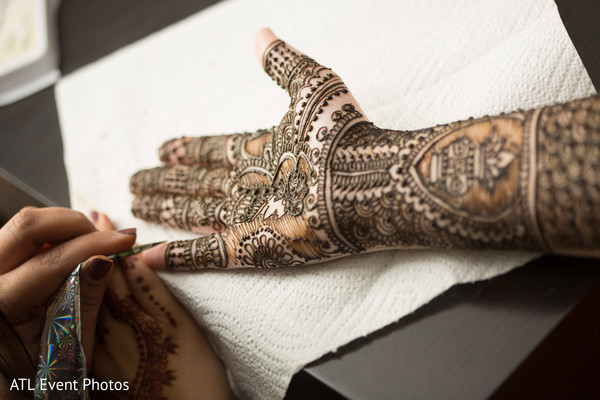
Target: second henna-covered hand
x=326, y=182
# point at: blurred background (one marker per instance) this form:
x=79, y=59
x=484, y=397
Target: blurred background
x=39, y=41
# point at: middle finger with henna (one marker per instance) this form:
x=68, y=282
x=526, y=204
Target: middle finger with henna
x=183, y=180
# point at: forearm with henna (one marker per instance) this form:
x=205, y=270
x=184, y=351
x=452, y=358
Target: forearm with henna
x=524, y=180
x=326, y=182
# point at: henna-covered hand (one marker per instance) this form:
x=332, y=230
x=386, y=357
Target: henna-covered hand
x=255, y=195
x=148, y=340
x=325, y=182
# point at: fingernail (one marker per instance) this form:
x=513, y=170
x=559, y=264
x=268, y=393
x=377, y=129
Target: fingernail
x=155, y=256
x=45, y=247
x=99, y=267
x=94, y=215
x=128, y=231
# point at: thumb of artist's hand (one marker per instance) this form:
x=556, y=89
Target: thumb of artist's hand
x=95, y=277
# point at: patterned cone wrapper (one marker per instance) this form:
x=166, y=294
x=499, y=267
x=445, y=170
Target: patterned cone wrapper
x=62, y=369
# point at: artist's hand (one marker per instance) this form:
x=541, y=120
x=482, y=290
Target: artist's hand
x=28, y=278
x=263, y=199
x=147, y=339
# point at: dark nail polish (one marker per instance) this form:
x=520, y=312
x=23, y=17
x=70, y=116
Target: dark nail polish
x=99, y=267
x=94, y=215
x=128, y=231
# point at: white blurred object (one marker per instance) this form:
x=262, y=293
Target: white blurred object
x=28, y=47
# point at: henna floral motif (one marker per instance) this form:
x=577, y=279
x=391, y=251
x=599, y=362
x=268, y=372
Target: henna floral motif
x=325, y=182
x=292, y=190
x=266, y=249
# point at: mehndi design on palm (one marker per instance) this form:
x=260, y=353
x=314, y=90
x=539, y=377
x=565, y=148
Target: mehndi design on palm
x=325, y=182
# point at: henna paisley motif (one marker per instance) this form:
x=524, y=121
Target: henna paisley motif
x=266, y=249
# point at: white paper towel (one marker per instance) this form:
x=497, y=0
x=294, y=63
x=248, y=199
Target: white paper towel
x=411, y=64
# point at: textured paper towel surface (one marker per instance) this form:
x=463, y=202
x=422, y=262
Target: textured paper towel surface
x=410, y=64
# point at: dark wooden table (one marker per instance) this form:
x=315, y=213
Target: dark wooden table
x=532, y=333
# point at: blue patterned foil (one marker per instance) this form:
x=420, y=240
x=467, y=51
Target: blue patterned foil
x=62, y=367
